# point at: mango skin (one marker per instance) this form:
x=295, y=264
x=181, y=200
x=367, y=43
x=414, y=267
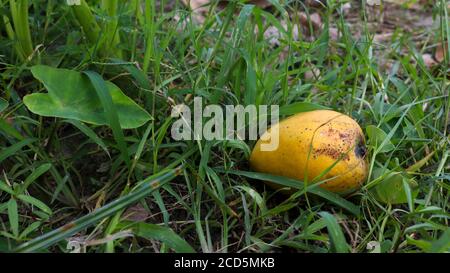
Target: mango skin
x=310, y=143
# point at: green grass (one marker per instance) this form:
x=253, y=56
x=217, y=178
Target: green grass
x=57, y=172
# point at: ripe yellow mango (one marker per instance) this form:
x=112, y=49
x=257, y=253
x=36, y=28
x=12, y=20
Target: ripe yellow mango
x=319, y=146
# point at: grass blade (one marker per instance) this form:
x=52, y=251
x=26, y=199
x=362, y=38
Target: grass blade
x=144, y=188
x=34, y=175
x=35, y=202
x=110, y=112
x=13, y=149
x=19, y=13
x=89, y=133
x=296, y=184
x=3, y=105
x=13, y=216
x=163, y=234
x=87, y=21
x=338, y=242
x=6, y=129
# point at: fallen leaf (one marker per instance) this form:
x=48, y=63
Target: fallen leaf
x=428, y=60
x=440, y=52
x=386, y=64
x=71, y=95
x=136, y=213
x=312, y=74
x=315, y=3
x=273, y=35
x=382, y=37
x=316, y=20
x=374, y=247
x=425, y=21
x=199, y=9
x=345, y=8
x=196, y=4
x=313, y=19
x=334, y=33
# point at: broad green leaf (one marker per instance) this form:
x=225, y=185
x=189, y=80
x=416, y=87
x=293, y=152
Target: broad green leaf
x=3, y=105
x=163, y=234
x=391, y=189
x=72, y=96
x=376, y=138
x=337, y=238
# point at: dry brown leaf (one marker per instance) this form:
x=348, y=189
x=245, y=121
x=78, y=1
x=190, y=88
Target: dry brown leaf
x=426, y=21
x=312, y=74
x=195, y=4
x=382, y=37
x=334, y=33
x=136, y=213
x=199, y=8
x=386, y=64
x=440, y=52
x=273, y=35
x=314, y=20
x=315, y=3
x=428, y=60
x=345, y=9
